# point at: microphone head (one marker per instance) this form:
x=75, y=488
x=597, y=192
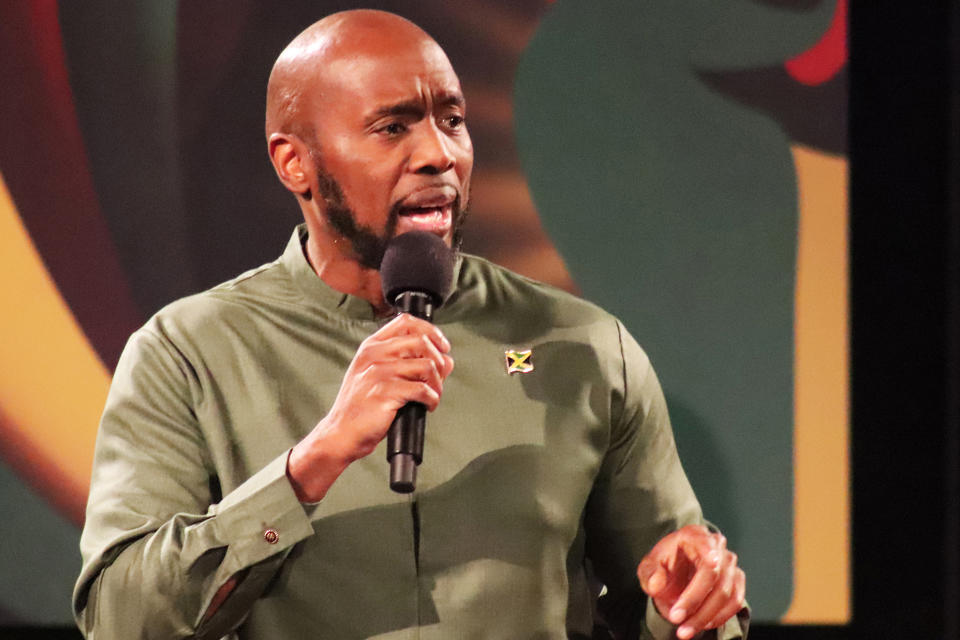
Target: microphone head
x=417, y=261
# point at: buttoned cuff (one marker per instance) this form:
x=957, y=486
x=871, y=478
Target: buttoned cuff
x=261, y=517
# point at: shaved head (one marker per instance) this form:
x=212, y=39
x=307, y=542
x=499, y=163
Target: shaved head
x=311, y=60
x=366, y=126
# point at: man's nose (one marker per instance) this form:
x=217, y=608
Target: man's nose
x=432, y=152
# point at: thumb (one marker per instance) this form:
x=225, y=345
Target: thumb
x=653, y=577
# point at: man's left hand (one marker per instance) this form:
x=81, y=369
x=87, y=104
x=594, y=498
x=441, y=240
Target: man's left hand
x=693, y=579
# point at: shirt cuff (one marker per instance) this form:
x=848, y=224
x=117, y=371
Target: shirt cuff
x=659, y=627
x=261, y=517
x=736, y=626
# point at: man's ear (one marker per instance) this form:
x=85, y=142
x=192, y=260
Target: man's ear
x=292, y=162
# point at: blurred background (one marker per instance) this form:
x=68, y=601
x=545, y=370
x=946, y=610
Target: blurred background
x=791, y=271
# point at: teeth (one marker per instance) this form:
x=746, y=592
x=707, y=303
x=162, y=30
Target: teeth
x=424, y=210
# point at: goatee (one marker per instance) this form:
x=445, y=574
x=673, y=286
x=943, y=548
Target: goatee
x=366, y=244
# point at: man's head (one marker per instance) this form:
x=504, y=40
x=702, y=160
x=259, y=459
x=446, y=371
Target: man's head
x=365, y=124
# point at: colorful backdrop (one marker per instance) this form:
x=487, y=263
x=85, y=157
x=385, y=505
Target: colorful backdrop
x=681, y=163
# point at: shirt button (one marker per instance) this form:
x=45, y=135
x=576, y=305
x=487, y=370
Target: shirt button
x=271, y=536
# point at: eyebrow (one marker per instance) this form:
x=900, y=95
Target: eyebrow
x=415, y=107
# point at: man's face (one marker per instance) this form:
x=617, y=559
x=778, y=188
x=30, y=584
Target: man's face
x=391, y=148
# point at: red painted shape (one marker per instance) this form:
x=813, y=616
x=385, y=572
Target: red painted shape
x=823, y=60
x=44, y=163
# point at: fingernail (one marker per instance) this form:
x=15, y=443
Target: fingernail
x=678, y=615
x=685, y=632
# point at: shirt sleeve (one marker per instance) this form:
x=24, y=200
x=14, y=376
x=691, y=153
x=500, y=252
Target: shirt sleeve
x=155, y=547
x=641, y=494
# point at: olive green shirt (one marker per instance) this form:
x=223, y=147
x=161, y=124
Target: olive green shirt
x=525, y=475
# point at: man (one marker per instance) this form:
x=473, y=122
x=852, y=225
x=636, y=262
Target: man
x=219, y=505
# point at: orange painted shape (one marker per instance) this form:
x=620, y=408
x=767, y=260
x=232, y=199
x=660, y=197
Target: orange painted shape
x=821, y=591
x=52, y=384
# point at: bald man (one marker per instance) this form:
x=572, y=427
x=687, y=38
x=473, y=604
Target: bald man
x=234, y=493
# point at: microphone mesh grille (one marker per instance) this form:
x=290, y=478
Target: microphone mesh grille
x=417, y=261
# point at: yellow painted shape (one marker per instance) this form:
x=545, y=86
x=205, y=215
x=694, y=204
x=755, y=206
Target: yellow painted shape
x=821, y=545
x=52, y=383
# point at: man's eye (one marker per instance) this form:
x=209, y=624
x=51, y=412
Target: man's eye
x=393, y=129
x=454, y=122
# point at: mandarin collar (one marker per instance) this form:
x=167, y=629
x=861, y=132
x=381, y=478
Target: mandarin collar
x=317, y=292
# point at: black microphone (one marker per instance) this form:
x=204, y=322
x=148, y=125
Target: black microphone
x=415, y=275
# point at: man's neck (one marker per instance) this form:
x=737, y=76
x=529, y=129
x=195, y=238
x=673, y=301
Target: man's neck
x=332, y=262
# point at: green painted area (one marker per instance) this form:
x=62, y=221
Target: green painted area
x=676, y=208
x=40, y=559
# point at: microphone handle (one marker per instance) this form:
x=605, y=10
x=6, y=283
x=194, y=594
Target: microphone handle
x=405, y=437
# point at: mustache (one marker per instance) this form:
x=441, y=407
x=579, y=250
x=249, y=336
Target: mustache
x=436, y=187
x=367, y=245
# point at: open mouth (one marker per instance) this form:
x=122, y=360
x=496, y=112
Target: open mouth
x=424, y=213
x=429, y=210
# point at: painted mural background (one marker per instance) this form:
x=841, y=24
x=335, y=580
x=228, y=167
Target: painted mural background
x=681, y=163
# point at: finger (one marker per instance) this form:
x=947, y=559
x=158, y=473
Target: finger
x=404, y=346
x=403, y=391
x=383, y=375
x=420, y=370
x=736, y=603
x=699, y=542
x=662, y=584
x=671, y=576
x=436, y=336
x=716, y=601
x=707, y=572
x=652, y=575
x=447, y=366
x=443, y=361
x=405, y=324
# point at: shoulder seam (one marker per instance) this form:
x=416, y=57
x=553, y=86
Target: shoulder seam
x=546, y=288
x=623, y=367
x=243, y=277
x=514, y=274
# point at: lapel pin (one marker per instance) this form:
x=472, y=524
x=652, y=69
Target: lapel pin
x=519, y=361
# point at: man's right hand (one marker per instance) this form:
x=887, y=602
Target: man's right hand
x=405, y=361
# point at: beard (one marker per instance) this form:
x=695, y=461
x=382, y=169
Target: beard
x=366, y=244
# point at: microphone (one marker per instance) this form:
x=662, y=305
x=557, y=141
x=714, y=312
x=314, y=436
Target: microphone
x=415, y=274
